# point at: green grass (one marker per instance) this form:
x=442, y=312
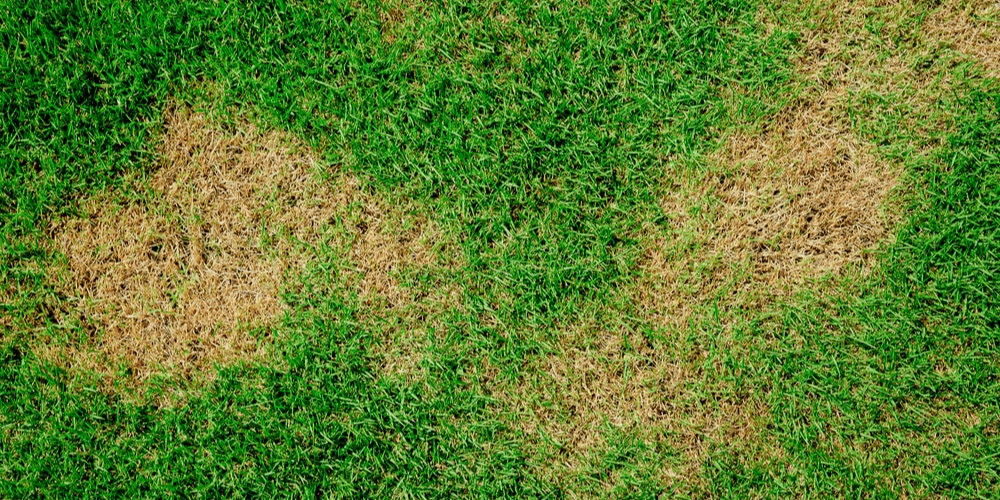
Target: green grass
x=540, y=136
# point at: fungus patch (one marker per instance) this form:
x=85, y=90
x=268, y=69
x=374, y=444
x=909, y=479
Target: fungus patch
x=800, y=200
x=404, y=268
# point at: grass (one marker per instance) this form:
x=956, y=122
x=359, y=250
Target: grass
x=541, y=140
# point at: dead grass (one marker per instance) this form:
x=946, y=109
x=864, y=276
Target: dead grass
x=8, y=294
x=798, y=201
x=598, y=380
x=173, y=276
x=393, y=244
x=971, y=27
x=387, y=240
x=396, y=16
x=789, y=205
x=781, y=207
x=392, y=19
x=173, y=281
x=6, y=307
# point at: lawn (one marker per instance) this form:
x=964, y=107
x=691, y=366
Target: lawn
x=315, y=249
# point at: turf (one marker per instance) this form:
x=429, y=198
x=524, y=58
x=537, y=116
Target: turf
x=541, y=138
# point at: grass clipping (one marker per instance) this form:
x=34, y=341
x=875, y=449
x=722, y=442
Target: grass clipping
x=175, y=279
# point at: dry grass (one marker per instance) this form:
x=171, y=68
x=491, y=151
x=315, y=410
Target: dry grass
x=801, y=199
x=392, y=19
x=397, y=15
x=387, y=239
x=798, y=201
x=7, y=294
x=971, y=27
x=391, y=243
x=175, y=280
x=599, y=380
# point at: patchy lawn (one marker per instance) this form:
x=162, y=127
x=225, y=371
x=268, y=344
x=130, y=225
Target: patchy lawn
x=721, y=248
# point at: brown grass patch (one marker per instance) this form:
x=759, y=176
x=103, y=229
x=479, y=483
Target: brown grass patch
x=603, y=380
x=392, y=19
x=777, y=209
x=173, y=278
x=387, y=240
x=173, y=281
x=971, y=27
x=397, y=16
x=6, y=307
x=390, y=245
x=800, y=200
x=8, y=294
x=600, y=380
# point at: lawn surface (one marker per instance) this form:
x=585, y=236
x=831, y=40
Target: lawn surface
x=711, y=248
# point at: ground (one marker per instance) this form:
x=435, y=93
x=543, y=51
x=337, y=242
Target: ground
x=719, y=248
